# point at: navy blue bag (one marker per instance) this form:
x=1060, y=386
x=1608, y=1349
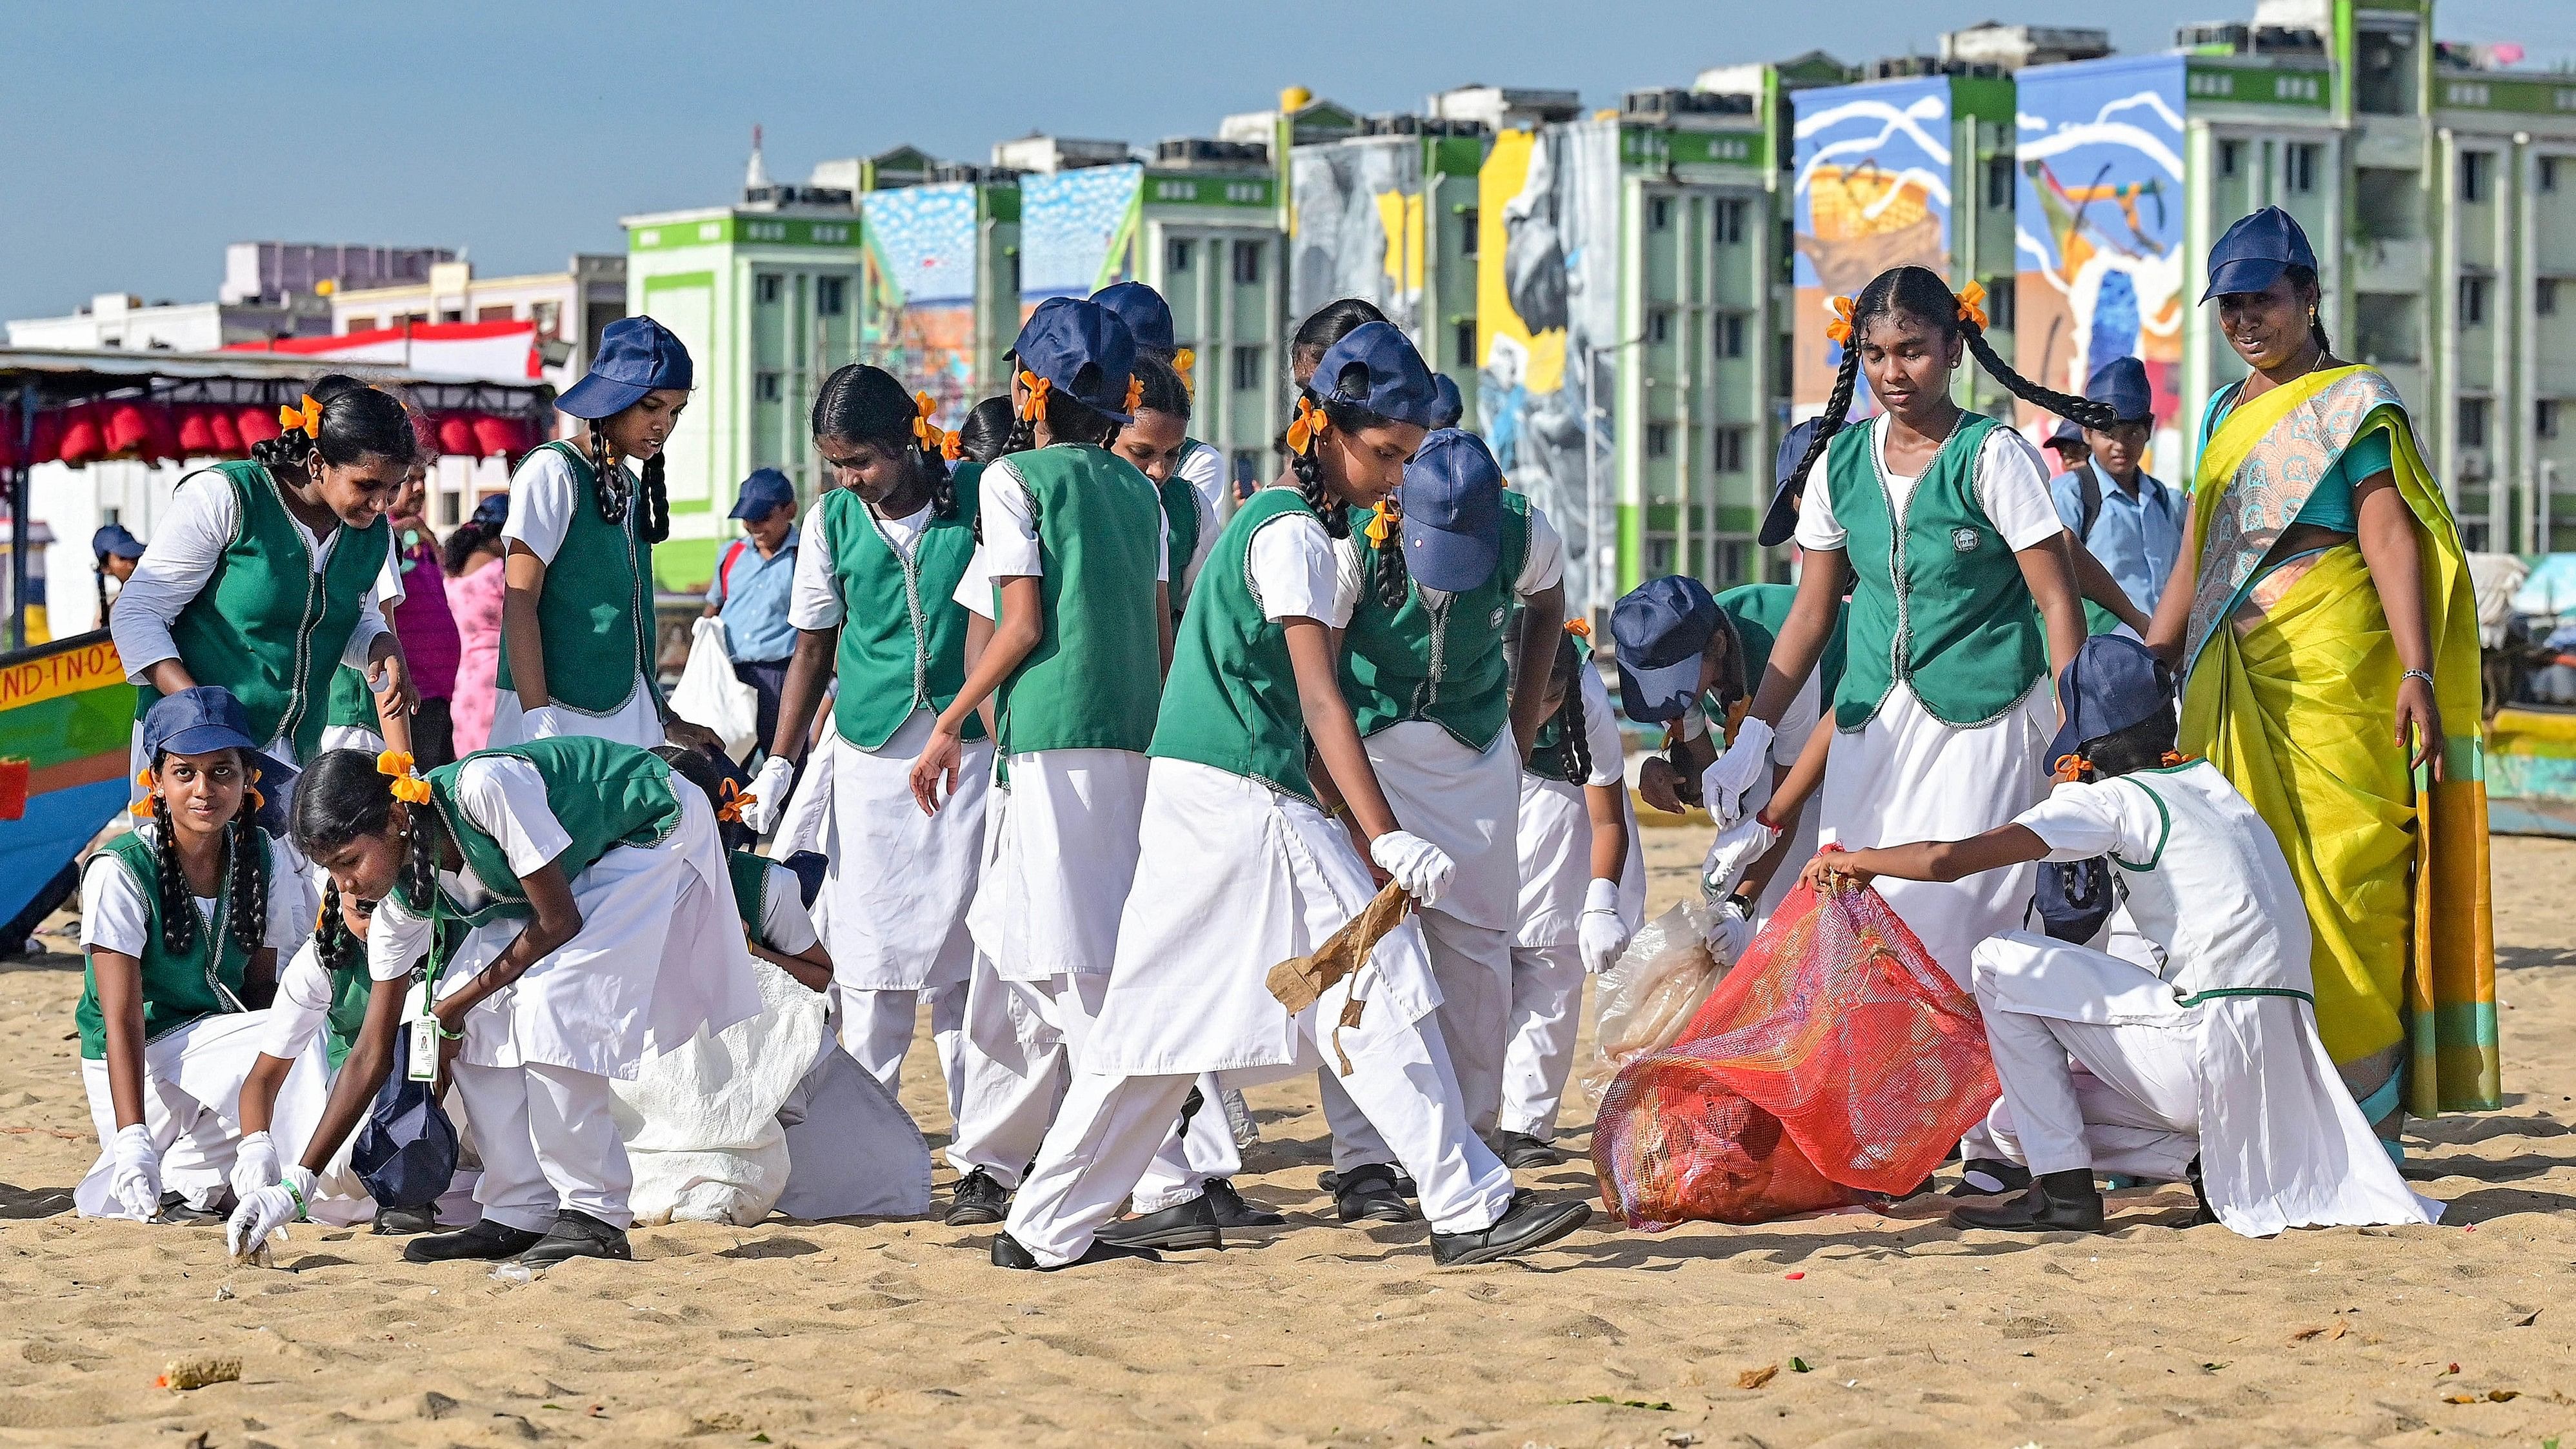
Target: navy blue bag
x=407, y=1150
x=2074, y=898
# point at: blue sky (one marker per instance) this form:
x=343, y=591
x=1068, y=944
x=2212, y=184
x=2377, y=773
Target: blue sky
x=143, y=136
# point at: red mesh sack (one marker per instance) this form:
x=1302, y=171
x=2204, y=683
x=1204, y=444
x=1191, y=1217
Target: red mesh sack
x=1836, y=1059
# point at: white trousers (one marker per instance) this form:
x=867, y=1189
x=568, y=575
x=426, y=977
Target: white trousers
x=1547, y=1009
x=192, y=1079
x=877, y=1027
x=1192, y=1156
x=1113, y=1127
x=2116, y=1098
x=1473, y=966
x=549, y=1140
x=1020, y=1040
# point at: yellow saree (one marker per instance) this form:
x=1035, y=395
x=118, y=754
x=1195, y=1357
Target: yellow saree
x=2290, y=691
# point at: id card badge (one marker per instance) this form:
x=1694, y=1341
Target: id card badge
x=424, y=1049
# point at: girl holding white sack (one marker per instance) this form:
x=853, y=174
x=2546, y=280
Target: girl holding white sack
x=1073, y=544
x=1583, y=892
x=1424, y=666
x=603, y=927
x=577, y=616
x=181, y=921
x=872, y=603
x=1234, y=832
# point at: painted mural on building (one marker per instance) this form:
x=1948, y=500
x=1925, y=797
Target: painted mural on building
x=919, y=319
x=1547, y=308
x=1359, y=227
x=2099, y=229
x=1077, y=230
x=1872, y=177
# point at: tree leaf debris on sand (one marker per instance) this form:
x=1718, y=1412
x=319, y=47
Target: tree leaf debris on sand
x=1658, y=1405
x=1756, y=1378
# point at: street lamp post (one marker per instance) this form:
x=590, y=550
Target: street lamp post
x=1591, y=487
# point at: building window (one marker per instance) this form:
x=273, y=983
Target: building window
x=2544, y=297
x=2473, y=300
x=1465, y=341
x=831, y=296
x=764, y=289
x=2473, y=422
x=1728, y=455
x=2547, y=179
x=1247, y=369
x=1726, y=334
x=1659, y=213
x=2544, y=417
x=1247, y=263
x=2000, y=296
x=1733, y=560
x=1469, y=222
x=2231, y=158
x=1727, y=224
x=499, y=312
x=1999, y=183
x=1659, y=440
x=451, y=314
x=768, y=387
x=2299, y=166
x=1659, y=325
x=1178, y=254
x=2477, y=176
x=1659, y=554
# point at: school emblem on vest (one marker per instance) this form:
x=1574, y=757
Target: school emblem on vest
x=1497, y=621
x=1964, y=539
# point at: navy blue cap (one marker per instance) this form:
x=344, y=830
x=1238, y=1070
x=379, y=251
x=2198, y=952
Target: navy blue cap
x=1782, y=520
x=205, y=719
x=115, y=539
x=1453, y=407
x=2122, y=382
x=762, y=493
x=2255, y=251
x=2068, y=432
x=2110, y=684
x=1147, y=315
x=1452, y=505
x=1067, y=340
x=1398, y=386
x=637, y=355
x=1662, y=627
x=492, y=512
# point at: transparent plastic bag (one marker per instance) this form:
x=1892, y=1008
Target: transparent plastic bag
x=1645, y=999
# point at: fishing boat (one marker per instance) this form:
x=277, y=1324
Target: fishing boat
x=66, y=723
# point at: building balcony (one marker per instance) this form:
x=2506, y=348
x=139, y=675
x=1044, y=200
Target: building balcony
x=2397, y=264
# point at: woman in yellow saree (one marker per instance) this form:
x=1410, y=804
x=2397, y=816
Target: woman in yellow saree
x=2323, y=613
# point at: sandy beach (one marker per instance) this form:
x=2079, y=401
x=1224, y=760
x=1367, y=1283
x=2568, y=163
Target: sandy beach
x=1848, y=1330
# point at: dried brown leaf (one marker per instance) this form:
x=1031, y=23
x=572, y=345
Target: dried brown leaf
x=1756, y=1378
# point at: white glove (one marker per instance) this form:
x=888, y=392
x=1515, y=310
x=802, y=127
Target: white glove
x=1723, y=785
x=1737, y=847
x=136, y=1181
x=254, y=1164
x=1422, y=868
x=268, y=1211
x=1601, y=935
x=1730, y=931
x=542, y=723
x=769, y=789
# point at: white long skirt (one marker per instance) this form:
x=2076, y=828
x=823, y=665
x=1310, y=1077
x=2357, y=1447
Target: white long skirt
x=1467, y=802
x=1064, y=855
x=660, y=957
x=1906, y=776
x=892, y=910
x=192, y=1080
x=1235, y=878
x=636, y=722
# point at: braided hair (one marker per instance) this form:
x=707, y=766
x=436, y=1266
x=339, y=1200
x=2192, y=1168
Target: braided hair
x=1160, y=388
x=357, y=421
x=334, y=944
x=1068, y=420
x=343, y=797
x=986, y=433
x=243, y=884
x=863, y=404
x=614, y=496
x=1572, y=659
x=1919, y=293
x=1309, y=468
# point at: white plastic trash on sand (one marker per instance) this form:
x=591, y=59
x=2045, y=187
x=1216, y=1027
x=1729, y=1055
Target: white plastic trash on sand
x=1645, y=999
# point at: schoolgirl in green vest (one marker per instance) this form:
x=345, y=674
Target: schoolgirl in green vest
x=1441, y=575
x=1072, y=549
x=1194, y=466
x=577, y=617
x=1242, y=869
x=261, y=577
x=181, y=921
x=601, y=926
x=875, y=609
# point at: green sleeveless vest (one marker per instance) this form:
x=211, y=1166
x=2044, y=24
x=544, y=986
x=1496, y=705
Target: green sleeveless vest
x=353, y=705
x=1938, y=604
x=1091, y=682
x=595, y=617
x=604, y=794
x=1759, y=611
x=178, y=988
x=265, y=626
x=1445, y=665
x=1231, y=701
x=903, y=633
x=750, y=888
x=350, y=991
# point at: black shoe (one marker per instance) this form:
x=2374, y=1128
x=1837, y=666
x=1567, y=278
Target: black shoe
x=1007, y=1253
x=1989, y=1177
x=1192, y=1224
x=1367, y=1194
x=577, y=1235
x=2055, y=1202
x=978, y=1199
x=1522, y=1153
x=485, y=1240
x=175, y=1208
x=1232, y=1211
x=2200, y=1195
x=1525, y=1225
x=394, y=1222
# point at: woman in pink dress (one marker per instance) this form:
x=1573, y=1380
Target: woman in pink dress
x=474, y=598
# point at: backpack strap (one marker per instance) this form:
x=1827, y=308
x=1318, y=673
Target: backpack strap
x=2090, y=483
x=724, y=569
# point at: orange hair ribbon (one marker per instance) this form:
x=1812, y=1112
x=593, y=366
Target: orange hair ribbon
x=924, y=407
x=1310, y=424
x=1382, y=522
x=729, y=809
x=1972, y=304
x=142, y=809
x=306, y=419
x=1035, y=407
x=952, y=446
x=1580, y=628
x=1839, y=330
x=2177, y=757
x=406, y=785
x=1135, y=393
x=1185, y=361
x=2071, y=768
